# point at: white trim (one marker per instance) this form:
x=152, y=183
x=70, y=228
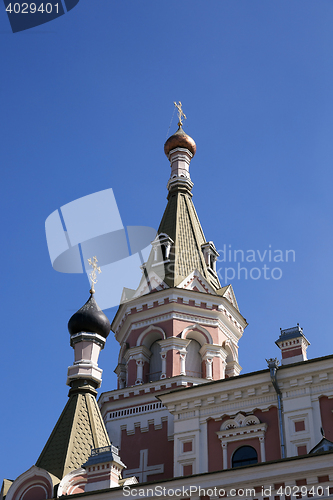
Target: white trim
x=149, y=329
x=35, y=476
x=202, y=330
x=68, y=481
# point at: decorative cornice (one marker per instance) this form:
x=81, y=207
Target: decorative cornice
x=173, y=295
x=237, y=434
x=137, y=352
x=212, y=351
x=173, y=343
x=233, y=407
x=87, y=337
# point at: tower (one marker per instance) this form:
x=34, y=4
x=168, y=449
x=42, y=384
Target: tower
x=79, y=438
x=80, y=426
x=179, y=328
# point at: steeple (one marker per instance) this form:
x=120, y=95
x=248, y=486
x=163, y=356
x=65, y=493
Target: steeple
x=181, y=242
x=180, y=322
x=80, y=426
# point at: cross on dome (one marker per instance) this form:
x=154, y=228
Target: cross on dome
x=181, y=113
x=92, y=275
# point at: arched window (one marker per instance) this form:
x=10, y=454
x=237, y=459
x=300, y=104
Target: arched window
x=155, y=365
x=193, y=359
x=245, y=455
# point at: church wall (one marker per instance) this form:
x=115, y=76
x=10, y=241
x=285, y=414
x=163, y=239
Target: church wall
x=160, y=449
x=326, y=412
x=217, y=369
x=36, y=492
x=177, y=327
x=174, y=327
x=146, y=370
x=272, y=439
x=134, y=415
x=203, y=369
x=173, y=358
x=131, y=372
x=272, y=435
x=300, y=409
x=215, y=461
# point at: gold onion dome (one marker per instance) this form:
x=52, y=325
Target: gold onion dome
x=180, y=140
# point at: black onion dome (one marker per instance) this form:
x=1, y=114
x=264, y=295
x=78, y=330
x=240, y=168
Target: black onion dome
x=180, y=140
x=90, y=318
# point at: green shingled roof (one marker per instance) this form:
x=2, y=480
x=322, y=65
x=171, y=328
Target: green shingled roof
x=79, y=428
x=181, y=223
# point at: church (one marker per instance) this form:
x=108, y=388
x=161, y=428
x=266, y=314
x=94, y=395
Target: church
x=184, y=421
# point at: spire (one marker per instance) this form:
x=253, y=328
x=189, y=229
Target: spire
x=184, y=248
x=79, y=428
x=168, y=341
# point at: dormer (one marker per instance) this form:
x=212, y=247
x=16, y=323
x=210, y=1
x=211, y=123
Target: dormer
x=210, y=255
x=161, y=246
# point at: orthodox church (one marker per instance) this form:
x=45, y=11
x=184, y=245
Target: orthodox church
x=183, y=420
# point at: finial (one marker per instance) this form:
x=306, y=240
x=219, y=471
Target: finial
x=92, y=275
x=181, y=113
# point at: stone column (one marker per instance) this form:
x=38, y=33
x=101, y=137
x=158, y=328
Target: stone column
x=209, y=369
x=139, y=371
x=225, y=454
x=163, y=368
x=182, y=355
x=121, y=373
x=203, y=456
x=208, y=352
x=177, y=346
x=141, y=355
x=262, y=449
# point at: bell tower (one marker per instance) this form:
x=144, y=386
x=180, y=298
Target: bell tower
x=180, y=322
x=179, y=328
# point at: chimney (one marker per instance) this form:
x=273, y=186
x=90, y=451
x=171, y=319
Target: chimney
x=293, y=345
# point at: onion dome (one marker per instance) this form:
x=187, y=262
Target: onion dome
x=90, y=318
x=180, y=140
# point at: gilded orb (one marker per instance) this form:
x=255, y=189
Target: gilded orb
x=180, y=140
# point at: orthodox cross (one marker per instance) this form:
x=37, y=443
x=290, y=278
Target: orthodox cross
x=181, y=113
x=92, y=275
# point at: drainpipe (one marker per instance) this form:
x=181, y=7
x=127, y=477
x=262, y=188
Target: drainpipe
x=273, y=365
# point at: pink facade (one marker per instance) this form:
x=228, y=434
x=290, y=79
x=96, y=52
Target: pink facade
x=160, y=451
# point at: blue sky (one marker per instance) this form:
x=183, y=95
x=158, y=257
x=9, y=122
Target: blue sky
x=86, y=103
